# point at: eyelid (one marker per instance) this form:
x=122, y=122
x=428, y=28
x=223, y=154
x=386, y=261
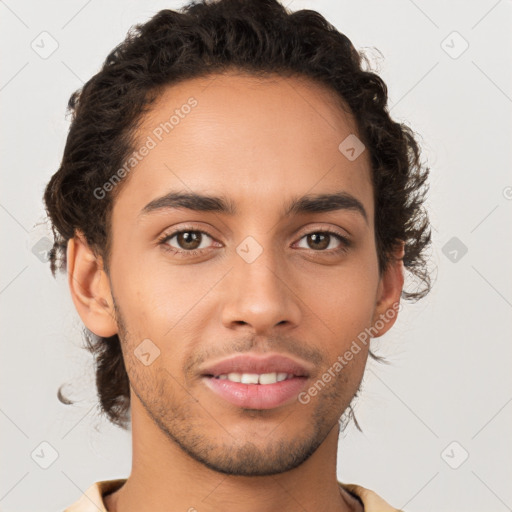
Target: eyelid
x=167, y=235
x=304, y=231
x=343, y=238
x=169, y=232
x=327, y=229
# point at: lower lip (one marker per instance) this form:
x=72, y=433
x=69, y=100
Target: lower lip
x=256, y=396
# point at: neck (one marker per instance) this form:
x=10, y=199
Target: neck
x=165, y=478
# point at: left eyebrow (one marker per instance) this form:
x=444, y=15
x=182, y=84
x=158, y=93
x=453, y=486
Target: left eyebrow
x=318, y=203
x=325, y=203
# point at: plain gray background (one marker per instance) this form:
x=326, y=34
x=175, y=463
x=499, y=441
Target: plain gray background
x=447, y=394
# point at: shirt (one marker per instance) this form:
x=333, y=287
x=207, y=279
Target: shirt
x=92, y=499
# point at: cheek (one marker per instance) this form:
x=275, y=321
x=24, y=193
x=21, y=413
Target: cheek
x=345, y=297
x=143, y=294
x=346, y=304
x=144, y=284
x=164, y=303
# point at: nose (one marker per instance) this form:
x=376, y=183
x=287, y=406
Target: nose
x=261, y=294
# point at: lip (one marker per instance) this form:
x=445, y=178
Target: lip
x=251, y=363
x=257, y=396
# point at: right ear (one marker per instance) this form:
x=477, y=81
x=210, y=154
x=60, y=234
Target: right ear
x=90, y=287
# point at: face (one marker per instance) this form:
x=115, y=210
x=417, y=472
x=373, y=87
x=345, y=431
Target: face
x=217, y=301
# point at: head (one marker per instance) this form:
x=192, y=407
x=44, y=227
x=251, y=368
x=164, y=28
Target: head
x=312, y=210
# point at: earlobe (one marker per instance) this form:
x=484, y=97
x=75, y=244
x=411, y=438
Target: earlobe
x=90, y=287
x=389, y=292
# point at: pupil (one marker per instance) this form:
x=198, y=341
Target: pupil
x=323, y=243
x=189, y=239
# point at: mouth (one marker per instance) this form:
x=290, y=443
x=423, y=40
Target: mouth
x=256, y=382
x=255, y=378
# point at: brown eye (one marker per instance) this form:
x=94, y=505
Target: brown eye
x=186, y=240
x=322, y=241
x=318, y=241
x=189, y=239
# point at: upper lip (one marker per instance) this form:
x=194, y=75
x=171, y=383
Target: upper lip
x=251, y=363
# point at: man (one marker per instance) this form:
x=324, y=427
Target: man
x=234, y=210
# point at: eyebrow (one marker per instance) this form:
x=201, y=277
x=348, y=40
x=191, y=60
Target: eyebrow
x=317, y=203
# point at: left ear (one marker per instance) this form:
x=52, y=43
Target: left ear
x=388, y=293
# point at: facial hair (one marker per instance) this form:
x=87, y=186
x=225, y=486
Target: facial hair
x=179, y=415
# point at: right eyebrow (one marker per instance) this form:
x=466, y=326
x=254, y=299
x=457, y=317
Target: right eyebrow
x=190, y=201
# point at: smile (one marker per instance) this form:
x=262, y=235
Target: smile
x=255, y=378
x=256, y=381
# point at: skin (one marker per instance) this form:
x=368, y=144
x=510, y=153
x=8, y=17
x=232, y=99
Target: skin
x=259, y=143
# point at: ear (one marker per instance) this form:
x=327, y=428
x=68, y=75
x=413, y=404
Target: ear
x=90, y=287
x=388, y=293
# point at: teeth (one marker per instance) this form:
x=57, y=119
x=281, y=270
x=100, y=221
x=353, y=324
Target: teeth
x=255, y=378
x=249, y=378
x=268, y=378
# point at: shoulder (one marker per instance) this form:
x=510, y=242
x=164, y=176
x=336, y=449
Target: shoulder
x=92, y=499
x=372, y=502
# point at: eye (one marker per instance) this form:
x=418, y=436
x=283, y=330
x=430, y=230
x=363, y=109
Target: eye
x=323, y=241
x=190, y=242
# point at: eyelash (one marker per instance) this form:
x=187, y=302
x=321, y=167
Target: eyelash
x=162, y=241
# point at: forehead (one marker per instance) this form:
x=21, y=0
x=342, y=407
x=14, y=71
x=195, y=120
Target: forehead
x=258, y=140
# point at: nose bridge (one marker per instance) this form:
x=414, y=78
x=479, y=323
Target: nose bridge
x=259, y=294
x=258, y=263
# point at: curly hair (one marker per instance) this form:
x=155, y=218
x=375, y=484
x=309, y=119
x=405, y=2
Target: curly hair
x=203, y=38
